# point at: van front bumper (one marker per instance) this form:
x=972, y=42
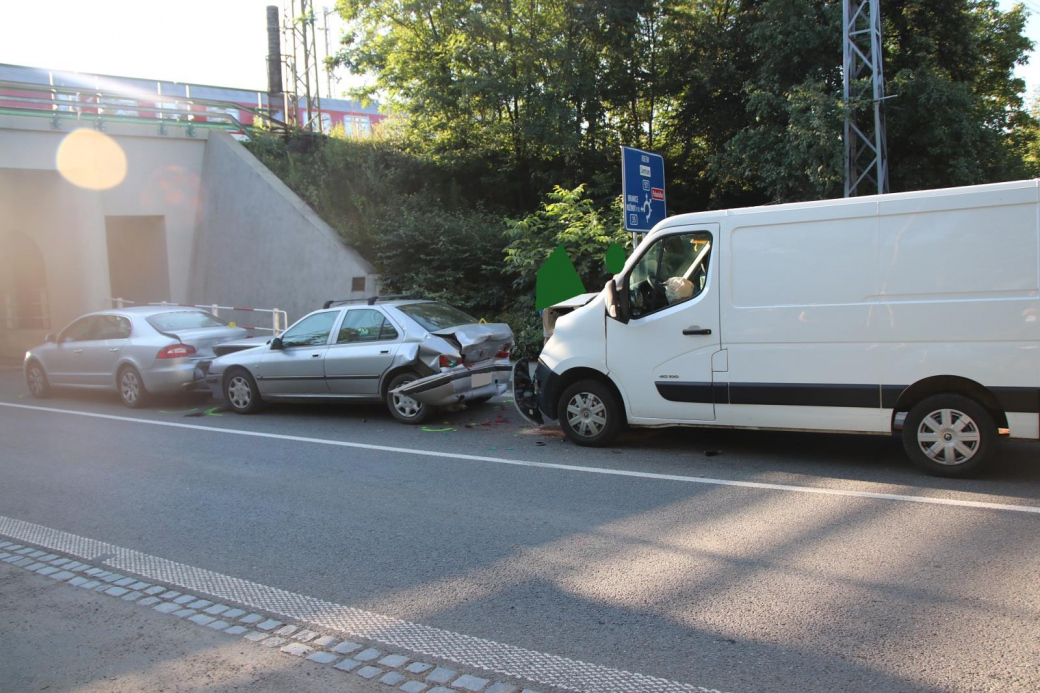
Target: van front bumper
x=534, y=390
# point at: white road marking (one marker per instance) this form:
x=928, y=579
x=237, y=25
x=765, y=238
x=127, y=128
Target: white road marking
x=550, y=465
x=515, y=662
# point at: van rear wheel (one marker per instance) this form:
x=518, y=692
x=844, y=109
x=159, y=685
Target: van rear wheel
x=590, y=413
x=949, y=435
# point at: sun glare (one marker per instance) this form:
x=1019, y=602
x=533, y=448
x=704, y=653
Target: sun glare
x=92, y=160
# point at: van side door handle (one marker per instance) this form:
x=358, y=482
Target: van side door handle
x=696, y=329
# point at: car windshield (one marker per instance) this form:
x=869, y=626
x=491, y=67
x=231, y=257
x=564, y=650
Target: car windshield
x=183, y=320
x=436, y=316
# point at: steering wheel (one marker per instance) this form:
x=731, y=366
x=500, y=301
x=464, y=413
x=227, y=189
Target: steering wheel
x=645, y=294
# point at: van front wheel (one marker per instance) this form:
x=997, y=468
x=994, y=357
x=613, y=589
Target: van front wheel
x=590, y=413
x=949, y=435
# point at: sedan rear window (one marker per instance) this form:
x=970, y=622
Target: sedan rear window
x=183, y=320
x=436, y=316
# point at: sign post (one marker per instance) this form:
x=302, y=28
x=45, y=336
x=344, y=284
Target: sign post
x=642, y=189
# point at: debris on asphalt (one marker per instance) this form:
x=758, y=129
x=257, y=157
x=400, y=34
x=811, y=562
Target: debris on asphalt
x=543, y=432
x=539, y=442
x=427, y=429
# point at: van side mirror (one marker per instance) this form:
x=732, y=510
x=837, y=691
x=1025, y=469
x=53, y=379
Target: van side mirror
x=276, y=344
x=615, y=309
x=51, y=338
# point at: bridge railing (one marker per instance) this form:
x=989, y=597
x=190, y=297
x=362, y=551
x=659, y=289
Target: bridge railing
x=99, y=107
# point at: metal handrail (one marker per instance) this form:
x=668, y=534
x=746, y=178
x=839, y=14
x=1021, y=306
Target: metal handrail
x=279, y=318
x=143, y=104
x=100, y=106
x=47, y=89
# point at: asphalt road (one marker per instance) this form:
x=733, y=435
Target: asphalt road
x=737, y=588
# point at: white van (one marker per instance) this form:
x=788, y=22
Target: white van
x=917, y=312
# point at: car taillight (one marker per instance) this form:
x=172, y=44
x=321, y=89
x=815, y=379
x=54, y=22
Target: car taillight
x=449, y=361
x=504, y=354
x=175, y=351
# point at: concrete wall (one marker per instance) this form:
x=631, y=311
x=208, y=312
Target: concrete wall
x=259, y=245
x=162, y=179
x=233, y=233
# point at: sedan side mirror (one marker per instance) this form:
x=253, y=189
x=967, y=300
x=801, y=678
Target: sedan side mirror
x=51, y=337
x=276, y=344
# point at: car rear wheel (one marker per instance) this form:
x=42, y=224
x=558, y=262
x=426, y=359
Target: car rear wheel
x=949, y=435
x=590, y=413
x=36, y=379
x=241, y=392
x=404, y=408
x=131, y=388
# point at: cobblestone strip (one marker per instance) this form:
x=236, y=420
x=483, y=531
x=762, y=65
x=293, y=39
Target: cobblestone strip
x=471, y=652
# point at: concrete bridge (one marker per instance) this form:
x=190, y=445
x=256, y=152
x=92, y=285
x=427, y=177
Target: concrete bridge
x=93, y=209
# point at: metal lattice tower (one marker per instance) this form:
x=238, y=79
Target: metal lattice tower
x=866, y=155
x=302, y=67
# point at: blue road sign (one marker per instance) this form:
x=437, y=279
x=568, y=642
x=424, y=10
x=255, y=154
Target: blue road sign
x=642, y=188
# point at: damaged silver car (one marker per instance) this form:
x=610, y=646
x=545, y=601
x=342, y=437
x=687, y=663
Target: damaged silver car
x=411, y=354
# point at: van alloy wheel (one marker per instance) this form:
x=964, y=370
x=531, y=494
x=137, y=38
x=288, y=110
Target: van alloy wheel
x=948, y=436
x=586, y=414
x=590, y=413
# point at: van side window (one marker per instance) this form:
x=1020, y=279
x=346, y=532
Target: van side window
x=672, y=270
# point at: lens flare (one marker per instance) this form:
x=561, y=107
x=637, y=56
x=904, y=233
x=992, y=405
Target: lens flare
x=92, y=160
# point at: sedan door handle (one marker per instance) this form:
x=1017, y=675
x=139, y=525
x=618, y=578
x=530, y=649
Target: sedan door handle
x=696, y=329
x=314, y=356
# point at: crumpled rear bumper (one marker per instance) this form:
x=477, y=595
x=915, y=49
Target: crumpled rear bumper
x=456, y=386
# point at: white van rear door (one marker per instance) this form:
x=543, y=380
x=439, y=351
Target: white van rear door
x=662, y=355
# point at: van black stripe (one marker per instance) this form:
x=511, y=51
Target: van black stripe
x=805, y=395
x=701, y=393
x=1024, y=400
x=1020, y=400
x=890, y=395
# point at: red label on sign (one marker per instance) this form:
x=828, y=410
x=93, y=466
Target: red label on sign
x=657, y=193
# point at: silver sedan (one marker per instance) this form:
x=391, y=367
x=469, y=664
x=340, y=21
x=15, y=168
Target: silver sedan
x=136, y=351
x=411, y=354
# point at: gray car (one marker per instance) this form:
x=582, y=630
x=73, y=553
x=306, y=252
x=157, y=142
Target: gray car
x=411, y=354
x=136, y=351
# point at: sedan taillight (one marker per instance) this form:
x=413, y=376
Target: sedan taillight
x=175, y=351
x=504, y=354
x=449, y=361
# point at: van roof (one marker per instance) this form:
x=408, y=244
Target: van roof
x=714, y=216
